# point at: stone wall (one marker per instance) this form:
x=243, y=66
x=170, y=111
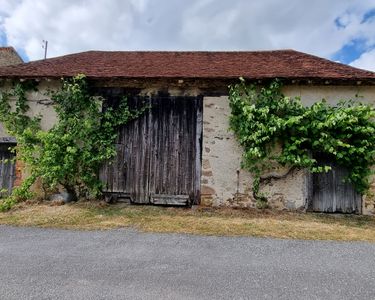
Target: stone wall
x=223, y=180
x=366, y=94
x=332, y=94
x=224, y=183
x=368, y=201
x=39, y=103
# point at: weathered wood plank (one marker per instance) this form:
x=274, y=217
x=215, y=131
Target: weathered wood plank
x=159, y=153
x=173, y=199
x=331, y=194
x=7, y=167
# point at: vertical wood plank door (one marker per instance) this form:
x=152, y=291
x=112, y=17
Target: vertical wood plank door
x=158, y=156
x=126, y=175
x=332, y=194
x=175, y=144
x=7, y=168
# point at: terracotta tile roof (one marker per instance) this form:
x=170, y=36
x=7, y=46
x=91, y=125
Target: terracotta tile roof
x=6, y=48
x=9, y=56
x=219, y=65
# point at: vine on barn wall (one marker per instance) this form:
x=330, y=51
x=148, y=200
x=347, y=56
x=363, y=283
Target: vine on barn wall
x=71, y=152
x=273, y=128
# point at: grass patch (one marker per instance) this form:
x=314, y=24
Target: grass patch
x=204, y=221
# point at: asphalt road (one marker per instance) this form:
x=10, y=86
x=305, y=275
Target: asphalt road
x=125, y=264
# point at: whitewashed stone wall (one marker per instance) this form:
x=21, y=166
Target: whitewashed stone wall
x=223, y=181
x=312, y=93
x=39, y=103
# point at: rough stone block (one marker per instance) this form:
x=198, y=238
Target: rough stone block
x=207, y=173
x=207, y=190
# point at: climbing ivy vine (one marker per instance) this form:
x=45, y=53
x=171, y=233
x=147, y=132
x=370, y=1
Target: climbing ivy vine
x=273, y=128
x=71, y=152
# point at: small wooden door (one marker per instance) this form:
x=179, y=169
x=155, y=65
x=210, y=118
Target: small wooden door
x=159, y=154
x=7, y=167
x=331, y=194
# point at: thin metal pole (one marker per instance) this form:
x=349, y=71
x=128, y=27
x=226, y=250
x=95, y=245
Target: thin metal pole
x=45, y=49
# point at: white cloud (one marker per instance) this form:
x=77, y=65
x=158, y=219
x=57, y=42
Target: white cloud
x=79, y=25
x=70, y=26
x=365, y=61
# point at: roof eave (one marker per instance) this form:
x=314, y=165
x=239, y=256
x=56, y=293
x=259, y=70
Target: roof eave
x=313, y=80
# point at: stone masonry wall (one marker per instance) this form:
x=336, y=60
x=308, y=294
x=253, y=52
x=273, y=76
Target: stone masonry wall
x=332, y=94
x=39, y=103
x=223, y=181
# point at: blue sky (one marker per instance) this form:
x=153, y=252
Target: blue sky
x=358, y=45
x=340, y=30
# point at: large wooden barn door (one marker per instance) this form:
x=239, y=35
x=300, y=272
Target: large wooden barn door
x=159, y=154
x=175, y=150
x=7, y=167
x=331, y=194
x=127, y=174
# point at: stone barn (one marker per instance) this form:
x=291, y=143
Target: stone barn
x=181, y=152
